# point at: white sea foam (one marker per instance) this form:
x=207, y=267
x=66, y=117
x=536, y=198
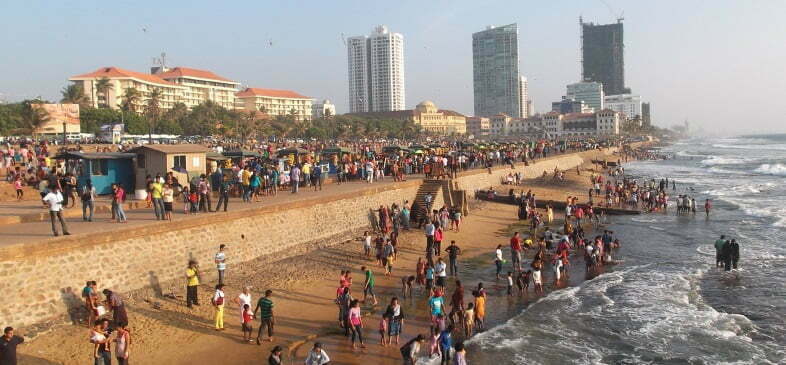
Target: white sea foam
x=718, y=160
x=772, y=169
x=773, y=147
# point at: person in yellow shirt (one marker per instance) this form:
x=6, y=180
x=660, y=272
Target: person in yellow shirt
x=156, y=192
x=192, y=276
x=246, y=182
x=306, y=173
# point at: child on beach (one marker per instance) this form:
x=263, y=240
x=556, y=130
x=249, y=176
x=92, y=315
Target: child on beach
x=510, y=283
x=248, y=317
x=520, y=282
x=525, y=278
x=537, y=280
x=383, y=328
x=434, y=343
x=469, y=319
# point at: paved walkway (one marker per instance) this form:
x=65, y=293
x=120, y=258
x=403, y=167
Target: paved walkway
x=41, y=230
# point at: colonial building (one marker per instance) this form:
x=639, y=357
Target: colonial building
x=478, y=126
x=274, y=102
x=201, y=86
x=178, y=85
x=428, y=117
x=119, y=80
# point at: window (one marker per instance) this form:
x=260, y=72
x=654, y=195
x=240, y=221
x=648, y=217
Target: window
x=180, y=162
x=99, y=167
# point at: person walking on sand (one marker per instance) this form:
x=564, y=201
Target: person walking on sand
x=440, y=269
x=221, y=262
x=243, y=299
x=54, y=199
x=192, y=279
x=356, y=323
x=266, y=318
x=218, y=303
x=368, y=285
x=453, y=252
x=395, y=315
x=247, y=323
x=317, y=356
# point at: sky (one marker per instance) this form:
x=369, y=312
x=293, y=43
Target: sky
x=715, y=63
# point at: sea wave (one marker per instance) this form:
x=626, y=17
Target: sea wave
x=772, y=169
x=719, y=160
x=774, y=147
x=647, y=308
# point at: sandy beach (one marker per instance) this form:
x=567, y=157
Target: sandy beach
x=164, y=331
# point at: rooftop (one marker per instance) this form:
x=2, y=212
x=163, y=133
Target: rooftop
x=253, y=91
x=112, y=72
x=192, y=72
x=174, y=148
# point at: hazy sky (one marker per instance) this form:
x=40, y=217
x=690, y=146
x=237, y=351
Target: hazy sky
x=717, y=63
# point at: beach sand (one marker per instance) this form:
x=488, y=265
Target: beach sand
x=164, y=331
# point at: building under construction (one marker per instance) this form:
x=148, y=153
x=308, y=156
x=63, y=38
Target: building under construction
x=602, y=56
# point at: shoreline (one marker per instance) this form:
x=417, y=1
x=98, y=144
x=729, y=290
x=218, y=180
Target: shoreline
x=173, y=334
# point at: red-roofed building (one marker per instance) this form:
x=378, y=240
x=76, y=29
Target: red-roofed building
x=202, y=85
x=274, y=102
x=119, y=80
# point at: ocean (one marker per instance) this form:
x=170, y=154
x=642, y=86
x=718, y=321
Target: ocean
x=666, y=303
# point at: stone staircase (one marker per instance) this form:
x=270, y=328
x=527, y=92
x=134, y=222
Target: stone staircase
x=444, y=192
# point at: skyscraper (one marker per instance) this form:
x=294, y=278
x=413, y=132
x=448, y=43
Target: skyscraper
x=523, y=97
x=495, y=66
x=376, y=71
x=602, y=58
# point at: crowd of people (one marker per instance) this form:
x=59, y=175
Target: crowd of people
x=253, y=178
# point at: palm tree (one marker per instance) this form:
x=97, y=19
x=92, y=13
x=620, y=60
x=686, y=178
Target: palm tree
x=74, y=94
x=130, y=99
x=246, y=125
x=103, y=85
x=33, y=116
x=153, y=112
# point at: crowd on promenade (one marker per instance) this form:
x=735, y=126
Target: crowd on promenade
x=257, y=176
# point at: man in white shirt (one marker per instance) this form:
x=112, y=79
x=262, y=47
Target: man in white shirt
x=221, y=265
x=55, y=201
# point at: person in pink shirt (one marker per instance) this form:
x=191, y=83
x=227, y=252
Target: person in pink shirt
x=18, y=186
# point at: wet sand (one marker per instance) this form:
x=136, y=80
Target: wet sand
x=164, y=331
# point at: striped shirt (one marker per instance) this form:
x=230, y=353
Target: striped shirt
x=265, y=306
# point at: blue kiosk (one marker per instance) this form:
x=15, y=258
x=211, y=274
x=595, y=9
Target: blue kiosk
x=103, y=169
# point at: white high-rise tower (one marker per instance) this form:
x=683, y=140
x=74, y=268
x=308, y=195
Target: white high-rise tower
x=376, y=71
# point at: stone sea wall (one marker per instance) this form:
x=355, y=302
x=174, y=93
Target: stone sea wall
x=42, y=281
